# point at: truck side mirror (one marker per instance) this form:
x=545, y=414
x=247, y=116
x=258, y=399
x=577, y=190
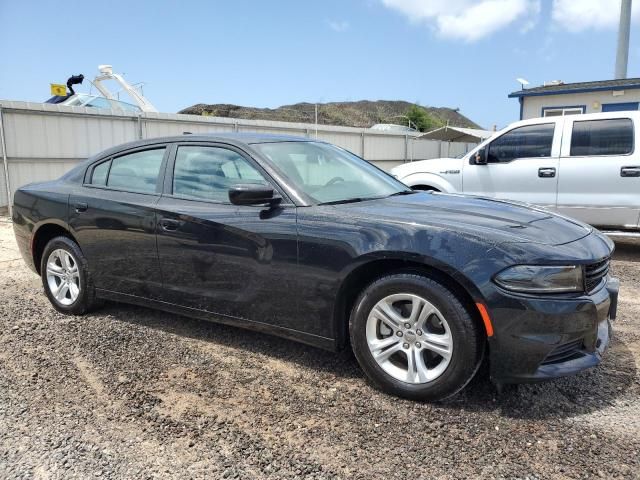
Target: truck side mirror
x=480, y=157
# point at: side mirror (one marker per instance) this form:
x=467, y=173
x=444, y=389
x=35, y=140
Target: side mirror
x=253, y=194
x=480, y=157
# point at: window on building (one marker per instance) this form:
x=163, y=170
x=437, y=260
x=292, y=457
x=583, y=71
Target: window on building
x=532, y=141
x=560, y=111
x=602, y=137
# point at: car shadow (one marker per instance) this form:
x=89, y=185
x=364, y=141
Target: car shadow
x=586, y=392
x=342, y=363
x=627, y=250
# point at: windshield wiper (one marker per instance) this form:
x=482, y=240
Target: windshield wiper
x=403, y=192
x=346, y=200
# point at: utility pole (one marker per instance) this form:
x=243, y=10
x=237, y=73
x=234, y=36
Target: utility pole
x=316, y=121
x=624, y=30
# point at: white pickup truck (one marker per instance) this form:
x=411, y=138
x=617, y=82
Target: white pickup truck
x=583, y=166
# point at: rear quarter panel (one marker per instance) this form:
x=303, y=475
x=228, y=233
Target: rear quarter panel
x=34, y=206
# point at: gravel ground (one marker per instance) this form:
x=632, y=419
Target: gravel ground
x=128, y=392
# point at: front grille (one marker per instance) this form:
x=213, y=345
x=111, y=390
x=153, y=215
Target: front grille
x=595, y=273
x=564, y=352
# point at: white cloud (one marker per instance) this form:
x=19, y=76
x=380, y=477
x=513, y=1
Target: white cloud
x=338, y=26
x=468, y=20
x=576, y=16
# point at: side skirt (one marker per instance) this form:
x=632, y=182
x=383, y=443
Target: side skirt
x=296, y=335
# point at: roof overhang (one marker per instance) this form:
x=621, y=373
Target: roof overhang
x=457, y=134
x=599, y=88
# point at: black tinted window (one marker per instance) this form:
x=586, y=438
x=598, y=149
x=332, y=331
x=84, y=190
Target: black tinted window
x=209, y=172
x=99, y=175
x=602, y=137
x=137, y=171
x=523, y=142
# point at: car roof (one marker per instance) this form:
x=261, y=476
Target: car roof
x=233, y=138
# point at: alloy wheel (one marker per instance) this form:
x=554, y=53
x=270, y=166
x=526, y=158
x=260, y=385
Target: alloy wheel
x=409, y=338
x=63, y=277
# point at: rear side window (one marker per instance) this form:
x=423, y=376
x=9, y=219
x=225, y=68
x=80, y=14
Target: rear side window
x=209, y=172
x=532, y=141
x=99, y=175
x=137, y=171
x=602, y=137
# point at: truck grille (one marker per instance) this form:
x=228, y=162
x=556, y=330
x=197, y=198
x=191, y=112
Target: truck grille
x=595, y=273
x=564, y=352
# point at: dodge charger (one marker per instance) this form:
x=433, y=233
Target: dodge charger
x=303, y=239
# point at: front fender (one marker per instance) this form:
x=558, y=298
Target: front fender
x=430, y=180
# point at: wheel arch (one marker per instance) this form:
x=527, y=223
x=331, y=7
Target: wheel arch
x=372, y=269
x=42, y=235
x=430, y=180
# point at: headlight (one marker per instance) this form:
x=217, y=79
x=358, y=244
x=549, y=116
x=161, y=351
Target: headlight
x=542, y=279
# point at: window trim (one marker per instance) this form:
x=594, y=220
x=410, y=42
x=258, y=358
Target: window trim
x=563, y=108
x=167, y=188
x=86, y=182
x=633, y=138
x=488, y=145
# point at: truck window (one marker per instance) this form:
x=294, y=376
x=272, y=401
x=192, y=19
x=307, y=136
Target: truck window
x=531, y=141
x=602, y=137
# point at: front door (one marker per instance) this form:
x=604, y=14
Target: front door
x=522, y=165
x=600, y=172
x=237, y=261
x=113, y=217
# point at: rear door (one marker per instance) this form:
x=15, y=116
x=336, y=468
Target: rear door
x=599, y=179
x=237, y=261
x=113, y=217
x=522, y=165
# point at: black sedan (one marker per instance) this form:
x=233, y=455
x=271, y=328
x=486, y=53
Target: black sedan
x=305, y=240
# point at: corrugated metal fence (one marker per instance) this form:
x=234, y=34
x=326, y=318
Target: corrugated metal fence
x=42, y=141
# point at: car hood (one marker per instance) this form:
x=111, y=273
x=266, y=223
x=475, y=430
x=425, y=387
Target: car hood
x=495, y=220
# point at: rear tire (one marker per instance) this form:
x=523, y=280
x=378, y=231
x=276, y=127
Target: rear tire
x=414, y=338
x=66, y=278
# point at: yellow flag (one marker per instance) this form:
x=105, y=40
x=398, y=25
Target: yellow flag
x=58, y=89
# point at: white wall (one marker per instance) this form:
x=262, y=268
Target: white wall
x=593, y=101
x=43, y=141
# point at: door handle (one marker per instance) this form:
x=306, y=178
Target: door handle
x=548, y=172
x=169, y=225
x=81, y=207
x=630, y=171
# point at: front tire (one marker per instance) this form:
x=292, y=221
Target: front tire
x=414, y=338
x=66, y=278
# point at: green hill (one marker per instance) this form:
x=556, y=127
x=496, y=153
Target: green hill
x=362, y=114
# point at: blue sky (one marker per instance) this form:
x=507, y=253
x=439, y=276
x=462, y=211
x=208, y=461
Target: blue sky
x=454, y=53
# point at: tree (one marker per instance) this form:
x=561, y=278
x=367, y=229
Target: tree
x=421, y=119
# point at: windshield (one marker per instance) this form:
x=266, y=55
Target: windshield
x=328, y=174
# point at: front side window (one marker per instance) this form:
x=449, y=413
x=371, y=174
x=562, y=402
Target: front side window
x=326, y=173
x=602, y=137
x=209, y=172
x=138, y=171
x=532, y=141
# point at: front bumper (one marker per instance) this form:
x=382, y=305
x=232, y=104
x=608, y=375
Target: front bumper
x=538, y=338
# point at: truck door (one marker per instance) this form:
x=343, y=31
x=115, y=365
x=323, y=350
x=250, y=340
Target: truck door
x=521, y=164
x=599, y=179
